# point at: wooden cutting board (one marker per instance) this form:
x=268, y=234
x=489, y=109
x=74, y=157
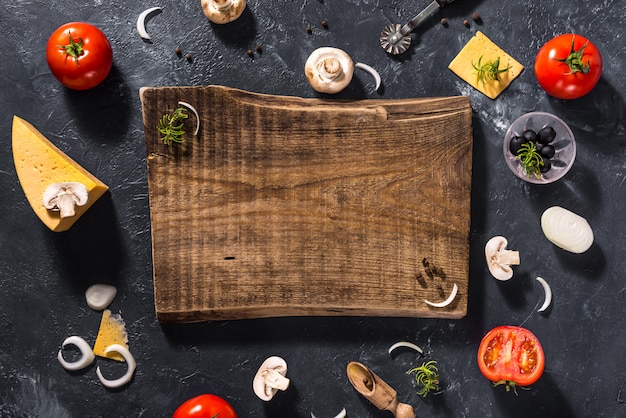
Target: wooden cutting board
x=283, y=206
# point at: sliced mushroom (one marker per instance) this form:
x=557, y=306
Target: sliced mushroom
x=329, y=70
x=499, y=259
x=64, y=197
x=223, y=11
x=270, y=378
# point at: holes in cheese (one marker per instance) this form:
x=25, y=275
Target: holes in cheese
x=481, y=46
x=112, y=331
x=38, y=164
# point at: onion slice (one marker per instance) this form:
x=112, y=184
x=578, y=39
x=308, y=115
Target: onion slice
x=141, y=22
x=341, y=414
x=446, y=302
x=548, y=298
x=130, y=361
x=566, y=230
x=371, y=71
x=405, y=344
x=195, y=112
x=86, y=358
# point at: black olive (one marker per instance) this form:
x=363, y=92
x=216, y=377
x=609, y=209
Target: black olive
x=547, y=151
x=547, y=165
x=529, y=135
x=546, y=135
x=516, y=144
x=538, y=146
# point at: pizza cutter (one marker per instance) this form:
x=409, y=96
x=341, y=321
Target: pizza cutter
x=396, y=39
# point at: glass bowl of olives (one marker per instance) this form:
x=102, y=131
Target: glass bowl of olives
x=539, y=148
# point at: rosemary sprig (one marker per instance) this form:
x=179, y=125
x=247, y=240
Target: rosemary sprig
x=488, y=70
x=171, y=126
x=530, y=159
x=426, y=376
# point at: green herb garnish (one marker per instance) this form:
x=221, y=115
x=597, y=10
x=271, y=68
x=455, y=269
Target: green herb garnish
x=426, y=376
x=530, y=159
x=171, y=126
x=488, y=70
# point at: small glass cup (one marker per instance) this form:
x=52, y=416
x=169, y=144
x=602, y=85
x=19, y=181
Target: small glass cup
x=564, y=145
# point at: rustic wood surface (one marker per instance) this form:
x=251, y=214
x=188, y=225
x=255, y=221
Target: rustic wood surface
x=288, y=206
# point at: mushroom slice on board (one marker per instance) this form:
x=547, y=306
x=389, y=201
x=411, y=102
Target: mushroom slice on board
x=499, y=259
x=329, y=70
x=270, y=378
x=64, y=197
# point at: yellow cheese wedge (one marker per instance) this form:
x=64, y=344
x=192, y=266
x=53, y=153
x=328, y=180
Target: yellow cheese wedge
x=481, y=46
x=38, y=164
x=112, y=331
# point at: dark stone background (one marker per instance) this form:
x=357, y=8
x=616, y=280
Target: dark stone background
x=44, y=274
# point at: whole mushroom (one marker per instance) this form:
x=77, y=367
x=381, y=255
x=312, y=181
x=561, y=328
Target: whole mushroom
x=329, y=70
x=64, y=197
x=223, y=11
x=270, y=378
x=500, y=259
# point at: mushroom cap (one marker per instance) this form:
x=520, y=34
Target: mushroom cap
x=270, y=377
x=499, y=259
x=223, y=11
x=329, y=70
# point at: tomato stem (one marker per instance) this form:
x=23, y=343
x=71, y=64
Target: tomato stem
x=508, y=385
x=73, y=49
x=575, y=59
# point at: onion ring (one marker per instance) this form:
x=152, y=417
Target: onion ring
x=341, y=414
x=86, y=358
x=130, y=360
x=548, y=299
x=141, y=22
x=195, y=112
x=405, y=344
x=446, y=302
x=371, y=71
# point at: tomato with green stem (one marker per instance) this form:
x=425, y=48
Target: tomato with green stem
x=205, y=406
x=79, y=55
x=568, y=66
x=511, y=356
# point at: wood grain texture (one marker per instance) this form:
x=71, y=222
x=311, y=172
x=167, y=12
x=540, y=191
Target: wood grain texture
x=284, y=206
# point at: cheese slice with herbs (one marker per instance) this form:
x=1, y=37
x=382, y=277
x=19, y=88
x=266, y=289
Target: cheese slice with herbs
x=481, y=47
x=112, y=331
x=38, y=164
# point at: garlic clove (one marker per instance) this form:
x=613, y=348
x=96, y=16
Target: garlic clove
x=100, y=296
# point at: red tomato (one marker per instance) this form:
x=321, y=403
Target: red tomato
x=568, y=66
x=511, y=356
x=79, y=55
x=205, y=406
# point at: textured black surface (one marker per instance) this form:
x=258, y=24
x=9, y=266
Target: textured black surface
x=44, y=275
